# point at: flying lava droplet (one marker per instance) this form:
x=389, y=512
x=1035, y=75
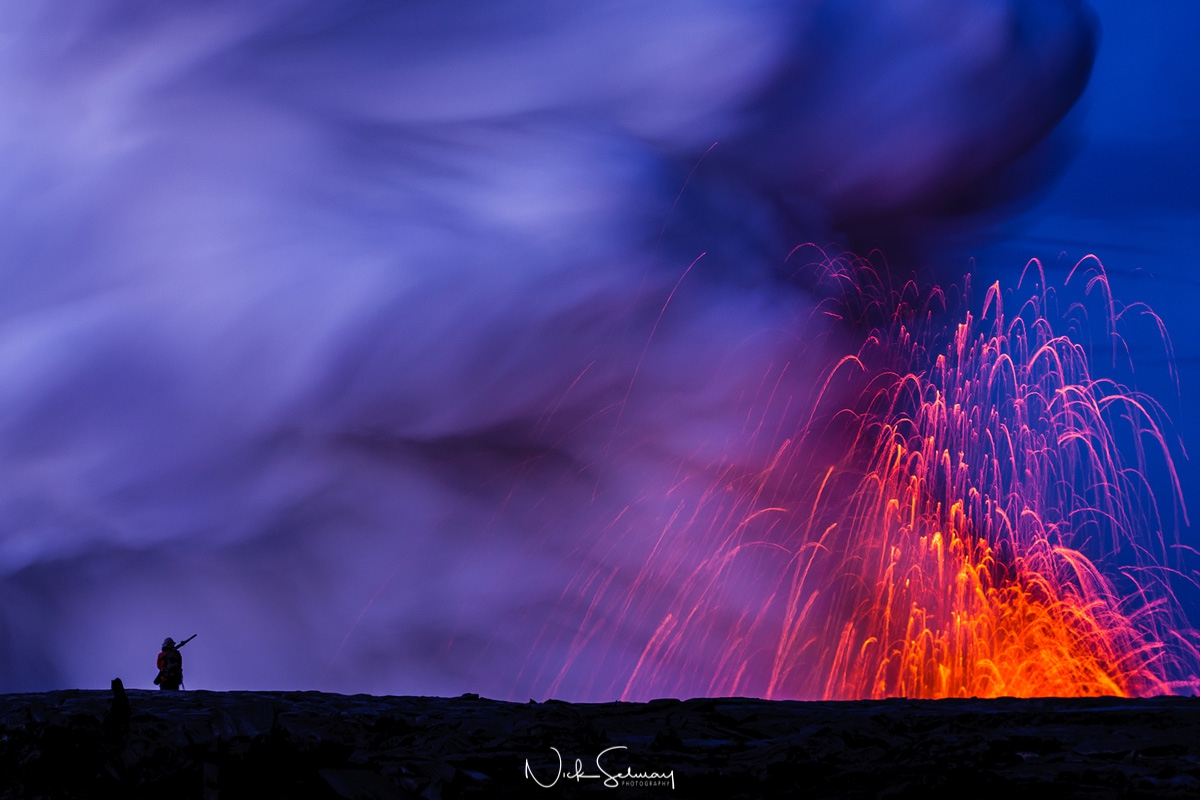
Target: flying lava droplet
x=977, y=520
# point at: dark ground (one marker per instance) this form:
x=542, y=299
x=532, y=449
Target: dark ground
x=307, y=744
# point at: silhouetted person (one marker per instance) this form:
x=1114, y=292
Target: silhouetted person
x=116, y=719
x=170, y=664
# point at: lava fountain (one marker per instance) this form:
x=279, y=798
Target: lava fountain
x=967, y=513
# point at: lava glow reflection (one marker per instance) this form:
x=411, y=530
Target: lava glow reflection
x=967, y=513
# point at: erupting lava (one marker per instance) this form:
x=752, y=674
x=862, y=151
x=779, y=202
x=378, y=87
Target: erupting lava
x=980, y=521
x=957, y=571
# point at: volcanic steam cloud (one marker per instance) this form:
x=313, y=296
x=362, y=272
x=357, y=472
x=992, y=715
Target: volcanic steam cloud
x=414, y=348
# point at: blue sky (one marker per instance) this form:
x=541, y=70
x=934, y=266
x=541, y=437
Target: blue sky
x=1130, y=193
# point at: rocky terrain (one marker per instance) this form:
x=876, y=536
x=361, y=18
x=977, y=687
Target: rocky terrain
x=199, y=744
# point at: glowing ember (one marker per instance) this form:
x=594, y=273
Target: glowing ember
x=979, y=530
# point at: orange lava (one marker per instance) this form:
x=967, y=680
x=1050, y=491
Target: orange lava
x=933, y=613
x=958, y=584
x=979, y=524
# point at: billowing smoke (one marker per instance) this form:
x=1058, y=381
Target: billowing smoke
x=339, y=334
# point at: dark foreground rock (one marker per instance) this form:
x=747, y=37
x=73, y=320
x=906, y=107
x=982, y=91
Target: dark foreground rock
x=307, y=744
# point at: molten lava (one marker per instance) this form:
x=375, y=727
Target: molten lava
x=979, y=522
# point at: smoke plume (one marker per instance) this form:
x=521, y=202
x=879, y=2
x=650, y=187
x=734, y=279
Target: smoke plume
x=342, y=335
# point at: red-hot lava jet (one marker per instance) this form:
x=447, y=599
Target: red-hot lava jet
x=967, y=513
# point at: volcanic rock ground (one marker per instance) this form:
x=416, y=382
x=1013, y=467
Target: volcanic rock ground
x=308, y=744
